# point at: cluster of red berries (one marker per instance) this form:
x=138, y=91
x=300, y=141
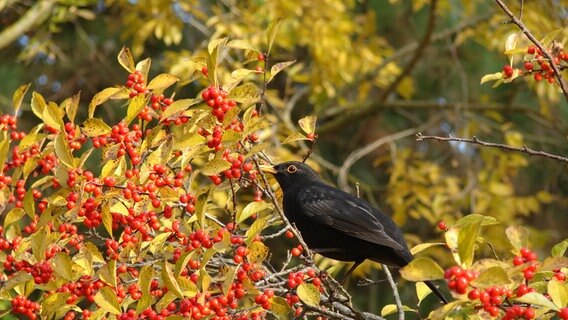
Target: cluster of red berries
x=19, y=157
x=538, y=65
x=519, y=312
x=84, y=287
x=563, y=313
x=137, y=83
x=74, y=137
x=527, y=256
x=28, y=308
x=216, y=98
x=41, y=272
x=8, y=122
x=490, y=298
x=459, y=278
x=90, y=209
x=134, y=223
x=127, y=139
x=263, y=299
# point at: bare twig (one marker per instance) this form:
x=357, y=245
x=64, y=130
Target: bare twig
x=475, y=140
x=537, y=43
x=394, y=292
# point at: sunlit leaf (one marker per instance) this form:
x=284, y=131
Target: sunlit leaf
x=94, y=127
x=279, y=67
x=518, y=236
x=101, y=98
x=126, y=59
x=170, y=281
x=18, y=97
x=246, y=94
x=494, y=276
x=466, y=242
x=538, y=299
x=308, y=124
x=423, y=246
x=63, y=266
x=558, y=292
x=271, y=33
x=215, y=166
x=162, y=81
x=491, y=77
x=62, y=151
x=135, y=105
x=106, y=299
x=71, y=105
x=258, y=252
x=252, y=208
x=559, y=249
x=422, y=269
x=392, y=308
x=177, y=107
x=309, y=294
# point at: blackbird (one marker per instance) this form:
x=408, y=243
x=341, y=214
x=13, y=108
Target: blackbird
x=337, y=224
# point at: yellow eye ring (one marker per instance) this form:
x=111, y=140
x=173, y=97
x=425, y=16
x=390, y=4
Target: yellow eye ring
x=292, y=169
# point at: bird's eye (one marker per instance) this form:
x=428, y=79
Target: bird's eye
x=291, y=169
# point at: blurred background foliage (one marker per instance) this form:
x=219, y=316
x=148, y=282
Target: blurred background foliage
x=367, y=69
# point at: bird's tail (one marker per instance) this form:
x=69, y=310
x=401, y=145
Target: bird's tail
x=437, y=292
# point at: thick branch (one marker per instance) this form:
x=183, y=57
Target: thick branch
x=418, y=54
x=537, y=43
x=34, y=16
x=475, y=140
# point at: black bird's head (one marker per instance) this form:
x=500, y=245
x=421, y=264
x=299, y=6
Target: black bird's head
x=293, y=173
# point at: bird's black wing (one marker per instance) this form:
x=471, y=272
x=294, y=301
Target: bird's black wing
x=332, y=207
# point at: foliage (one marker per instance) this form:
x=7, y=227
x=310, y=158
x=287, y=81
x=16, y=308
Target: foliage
x=335, y=61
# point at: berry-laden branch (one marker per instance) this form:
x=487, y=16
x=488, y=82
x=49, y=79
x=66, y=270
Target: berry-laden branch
x=475, y=140
x=548, y=55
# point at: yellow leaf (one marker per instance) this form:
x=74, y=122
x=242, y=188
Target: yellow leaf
x=215, y=166
x=308, y=124
x=101, y=98
x=518, y=236
x=422, y=291
x=258, y=252
x=246, y=94
x=62, y=150
x=126, y=59
x=538, y=299
x=38, y=104
x=18, y=97
x=558, y=292
x=271, y=34
x=280, y=307
x=170, y=281
x=493, y=276
x=422, y=269
x=63, y=266
x=162, y=81
x=53, y=116
x=466, y=242
x=94, y=127
x=309, y=294
x=252, y=208
x=423, y=246
x=491, y=77
x=107, y=273
x=279, y=67
x=106, y=299
x=135, y=105
x=501, y=189
x=71, y=105
x=295, y=137
x=178, y=107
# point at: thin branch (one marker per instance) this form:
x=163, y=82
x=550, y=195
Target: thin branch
x=394, y=292
x=537, y=43
x=475, y=140
x=361, y=152
x=33, y=17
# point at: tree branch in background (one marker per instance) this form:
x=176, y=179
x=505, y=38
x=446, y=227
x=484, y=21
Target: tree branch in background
x=418, y=54
x=475, y=140
x=537, y=43
x=33, y=17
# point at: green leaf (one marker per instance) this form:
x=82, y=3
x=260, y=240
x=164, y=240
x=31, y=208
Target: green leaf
x=170, y=281
x=62, y=150
x=162, y=81
x=501, y=189
x=252, y=208
x=537, y=299
x=101, y=98
x=559, y=249
x=518, y=236
x=40, y=241
x=126, y=59
x=258, y=252
x=4, y=148
x=422, y=269
x=308, y=124
x=246, y=94
x=106, y=216
x=63, y=266
x=493, y=276
x=144, y=281
x=106, y=299
x=422, y=291
x=271, y=34
x=554, y=263
x=279, y=67
x=177, y=107
x=309, y=294
x=135, y=105
x=94, y=127
x=558, y=292
x=215, y=166
x=467, y=237
x=14, y=215
x=18, y=97
x=236, y=77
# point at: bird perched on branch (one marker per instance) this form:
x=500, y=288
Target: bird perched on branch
x=337, y=224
